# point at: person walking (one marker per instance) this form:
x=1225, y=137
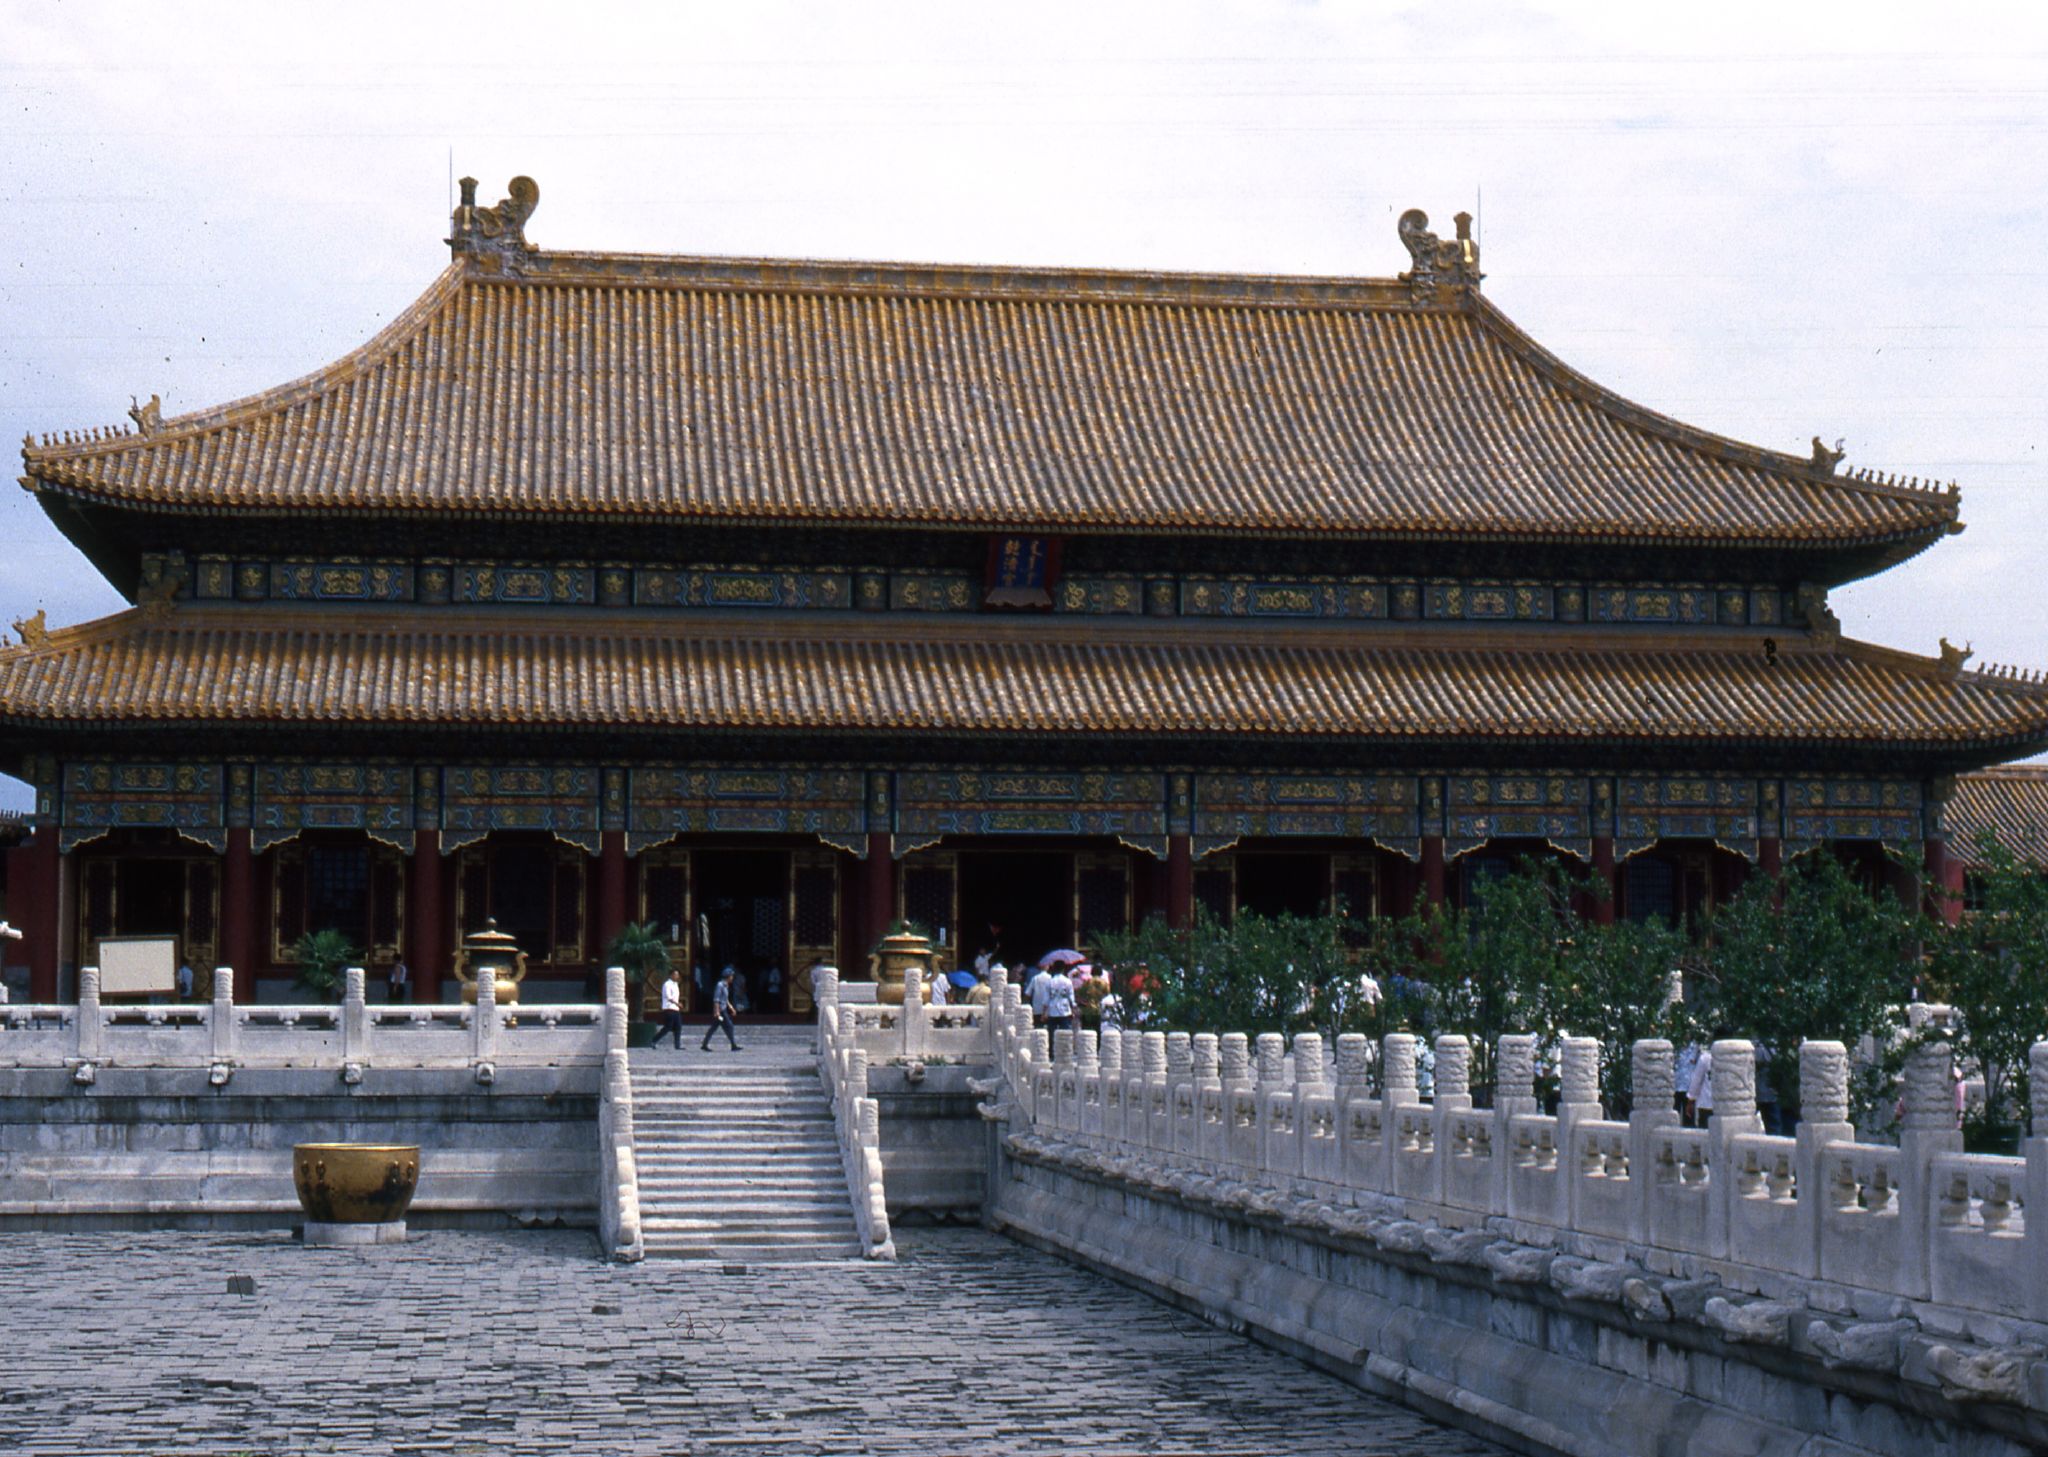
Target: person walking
x=398, y=984
x=671, y=1012
x=721, y=1010
x=1059, y=1000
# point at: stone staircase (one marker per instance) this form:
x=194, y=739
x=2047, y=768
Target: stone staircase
x=737, y=1154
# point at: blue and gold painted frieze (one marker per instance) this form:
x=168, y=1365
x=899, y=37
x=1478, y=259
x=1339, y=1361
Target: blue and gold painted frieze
x=1718, y=807
x=931, y=804
x=477, y=799
x=664, y=801
x=95, y=798
x=293, y=798
x=1377, y=807
x=1838, y=808
x=1109, y=594
x=1552, y=807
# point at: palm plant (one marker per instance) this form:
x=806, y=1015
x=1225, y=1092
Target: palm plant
x=640, y=949
x=324, y=958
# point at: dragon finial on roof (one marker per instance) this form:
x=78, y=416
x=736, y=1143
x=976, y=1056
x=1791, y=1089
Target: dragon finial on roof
x=1953, y=657
x=495, y=236
x=1825, y=460
x=148, y=418
x=35, y=631
x=1439, y=262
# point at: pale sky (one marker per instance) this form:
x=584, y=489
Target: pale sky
x=1774, y=221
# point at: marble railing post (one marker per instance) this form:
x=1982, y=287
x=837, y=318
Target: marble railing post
x=619, y=1180
x=355, y=1018
x=1514, y=1094
x=1653, y=1094
x=1823, y=1119
x=2036, y=1151
x=1154, y=1126
x=1110, y=1052
x=825, y=998
x=1398, y=1089
x=90, y=1026
x=1311, y=1068
x=1271, y=1051
x=484, y=1028
x=1927, y=1129
x=1235, y=1068
x=615, y=1009
x=1354, y=1066
x=1062, y=1046
x=1578, y=1101
x=1734, y=1081
x=222, y=1018
x=1453, y=1075
x=1203, y=1061
x=910, y=1027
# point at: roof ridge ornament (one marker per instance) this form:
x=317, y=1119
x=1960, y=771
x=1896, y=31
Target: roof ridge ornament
x=1441, y=264
x=1953, y=657
x=495, y=236
x=1825, y=460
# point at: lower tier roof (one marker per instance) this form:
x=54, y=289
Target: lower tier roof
x=512, y=669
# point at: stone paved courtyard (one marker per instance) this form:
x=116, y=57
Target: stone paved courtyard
x=526, y=1343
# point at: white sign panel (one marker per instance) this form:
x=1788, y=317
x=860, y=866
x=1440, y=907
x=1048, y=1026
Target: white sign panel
x=138, y=966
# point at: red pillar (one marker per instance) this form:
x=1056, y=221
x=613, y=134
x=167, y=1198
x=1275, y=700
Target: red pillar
x=1770, y=857
x=1942, y=879
x=1433, y=869
x=424, y=952
x=878, y=896
x=611, y=888
x=238, y=912
x=1603, y=866
x=1180, y=881
x=40, y=876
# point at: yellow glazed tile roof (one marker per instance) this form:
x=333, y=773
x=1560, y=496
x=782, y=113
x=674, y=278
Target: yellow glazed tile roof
x=476, y=667
x=879, y=394
x=2011, y=803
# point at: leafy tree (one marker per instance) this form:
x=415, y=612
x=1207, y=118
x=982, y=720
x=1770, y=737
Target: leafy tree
x=1807, y=954
x=1992, y=967
x=324, y=958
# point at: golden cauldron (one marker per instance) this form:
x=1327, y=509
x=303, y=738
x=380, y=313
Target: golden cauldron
x=494, y=951
x=355, y=1183
x=895, y=954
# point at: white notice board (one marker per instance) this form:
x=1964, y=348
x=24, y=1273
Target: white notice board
x=138, y=966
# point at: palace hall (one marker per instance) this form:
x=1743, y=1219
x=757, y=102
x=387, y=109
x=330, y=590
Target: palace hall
x=773, y=601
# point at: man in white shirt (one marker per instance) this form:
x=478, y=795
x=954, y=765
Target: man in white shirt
x=1035, y=991
x=671, y=1012
x=1059, y=1000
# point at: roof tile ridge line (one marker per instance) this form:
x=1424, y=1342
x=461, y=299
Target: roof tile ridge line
x=969, y=280
x=2007, y=771
x=1991, y=676
x=81, y=634
x=195, y=422
x=1678, y=432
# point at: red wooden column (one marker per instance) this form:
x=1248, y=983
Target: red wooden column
x=1180, y=881
x=1433, y=869
x=611, y=888
x=238, y=912
x=1943, y=879
x=1770, y=856
x=878, y=897
x=1603, y=866
x=425, y=953
x=41, y=925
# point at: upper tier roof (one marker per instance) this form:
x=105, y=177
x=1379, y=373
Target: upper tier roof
x=2010, y=804
x=743, y=391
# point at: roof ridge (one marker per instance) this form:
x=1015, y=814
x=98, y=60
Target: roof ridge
x=58, y=453
x=1818, y=469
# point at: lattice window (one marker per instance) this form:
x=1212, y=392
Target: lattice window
x=928, y=896
x=338, y=889
x=1649, y=889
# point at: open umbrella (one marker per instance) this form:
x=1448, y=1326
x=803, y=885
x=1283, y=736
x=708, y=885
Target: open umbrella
x=966, y=981
x=1061, y=958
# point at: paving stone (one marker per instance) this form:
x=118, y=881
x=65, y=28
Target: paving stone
x=526, y=1344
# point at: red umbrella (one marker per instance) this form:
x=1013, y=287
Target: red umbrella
x=1061, y=958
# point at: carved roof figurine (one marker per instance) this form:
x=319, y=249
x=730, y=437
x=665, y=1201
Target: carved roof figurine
x=1439, y=262
x=1824, y=459
x=1953, y=657
x=34, y=630
x=495, y=236
x=148, y=418
x=1820, y=618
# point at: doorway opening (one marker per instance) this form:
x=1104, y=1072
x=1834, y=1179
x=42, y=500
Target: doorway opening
x=743, y=922
x=1270, y=885
x=1019, y=902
